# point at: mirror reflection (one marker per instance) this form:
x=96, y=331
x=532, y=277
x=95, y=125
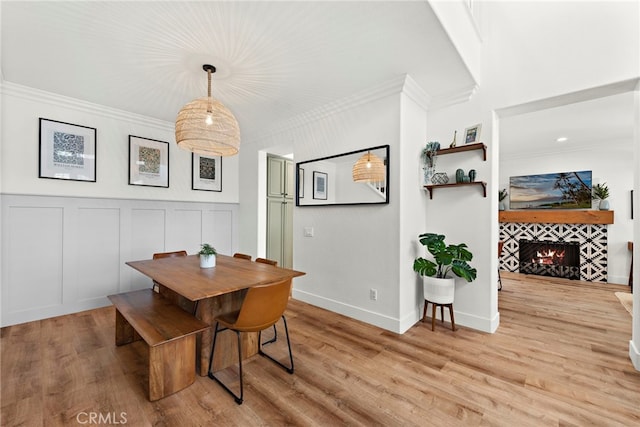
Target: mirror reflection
x=355, y=178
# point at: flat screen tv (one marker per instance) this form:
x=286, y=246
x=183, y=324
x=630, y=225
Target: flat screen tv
x=563, y=190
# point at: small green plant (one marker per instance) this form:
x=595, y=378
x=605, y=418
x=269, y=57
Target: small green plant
x=207, y=249
x=601, y=191
x=502, y=194
x=447, y=258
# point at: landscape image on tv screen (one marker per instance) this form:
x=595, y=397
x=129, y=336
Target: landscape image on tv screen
x=564, y=190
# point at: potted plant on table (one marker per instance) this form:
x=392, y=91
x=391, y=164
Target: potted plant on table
x=207, y=256
x=601, y=192
x=438, y=288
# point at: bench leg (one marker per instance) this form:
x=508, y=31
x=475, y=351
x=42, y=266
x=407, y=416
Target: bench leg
x=172, y=366
x=125, y=333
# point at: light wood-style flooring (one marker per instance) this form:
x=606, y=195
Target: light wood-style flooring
x=559, y=358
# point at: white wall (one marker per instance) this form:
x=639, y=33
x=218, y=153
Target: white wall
x=21, y=108
x=613, y=164
x=73, y=221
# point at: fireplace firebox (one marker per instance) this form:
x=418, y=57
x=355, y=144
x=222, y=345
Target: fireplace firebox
x=556, y=259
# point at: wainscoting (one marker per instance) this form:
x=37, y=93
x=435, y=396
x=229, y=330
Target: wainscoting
x=62, y=255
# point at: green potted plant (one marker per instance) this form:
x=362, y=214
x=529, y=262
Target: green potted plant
x=601, y=192
x=207, y=256
x=438, y=287
x=502, y=194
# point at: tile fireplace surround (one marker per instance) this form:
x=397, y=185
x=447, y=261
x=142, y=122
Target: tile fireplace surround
x=588, y=228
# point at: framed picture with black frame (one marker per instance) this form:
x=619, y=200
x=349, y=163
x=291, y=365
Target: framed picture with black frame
x=148, y=162
x=67, y=151
x=206, y=173
x=300, y=183
x=319, y=185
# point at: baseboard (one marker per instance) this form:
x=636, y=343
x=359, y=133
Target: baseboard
x=634, y=355
x=398, y=326
x=18, y=317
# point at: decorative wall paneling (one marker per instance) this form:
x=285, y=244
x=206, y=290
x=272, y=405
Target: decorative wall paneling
x=62, y=254
x=592, y=239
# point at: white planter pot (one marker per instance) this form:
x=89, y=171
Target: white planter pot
x=603, y=205
x=439, y=291
x=207, y=261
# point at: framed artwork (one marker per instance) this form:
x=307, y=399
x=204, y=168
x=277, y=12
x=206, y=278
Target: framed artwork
x=148, y=162
x=300, y=183
x=67, y=151
x=319, y=185
x=564, y=190
x=472, y=134
x=206, y=172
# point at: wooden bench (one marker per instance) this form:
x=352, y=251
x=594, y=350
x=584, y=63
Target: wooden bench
x=170, y=333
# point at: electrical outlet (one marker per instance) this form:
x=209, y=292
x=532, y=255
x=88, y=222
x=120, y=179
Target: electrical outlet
x=373, y=294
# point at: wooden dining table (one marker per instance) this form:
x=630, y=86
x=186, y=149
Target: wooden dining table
x=209, y=292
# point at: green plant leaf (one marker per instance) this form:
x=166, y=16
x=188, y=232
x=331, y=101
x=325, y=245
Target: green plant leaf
x=464, y=270
x=424, y=267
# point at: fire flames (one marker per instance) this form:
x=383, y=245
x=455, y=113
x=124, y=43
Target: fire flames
x=548, y=257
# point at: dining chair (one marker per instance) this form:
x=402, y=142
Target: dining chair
x=185, y=304
x=262, y=307
x=275, y=330
x=159, y=255
x=243, y=256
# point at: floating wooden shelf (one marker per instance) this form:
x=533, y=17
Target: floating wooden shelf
x=557, y=217
x=458, y=184
x=467, y=147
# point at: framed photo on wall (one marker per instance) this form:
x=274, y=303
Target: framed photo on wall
x=206, y=172
x=319, y=185
x=148, y=162
x=472, y=134
x=67, y=151
x=300, y=183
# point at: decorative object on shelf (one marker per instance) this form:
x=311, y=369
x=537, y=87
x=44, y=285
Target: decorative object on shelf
x=148, y=162
x=502, y=194
x=207, y=256
x=453, y=143
x=472, y=175
x=472, y=134
x=67, y=151
x=466, y=179
x=206, y=173
x=440, y=178
x=368, y=168
x=205, y=126
x=429, y=156
x=601, y=192
x=459, y=176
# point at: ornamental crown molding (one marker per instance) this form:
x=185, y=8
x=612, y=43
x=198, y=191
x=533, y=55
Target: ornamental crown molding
x=41, y=96
x=401, y=84
x=453, y=98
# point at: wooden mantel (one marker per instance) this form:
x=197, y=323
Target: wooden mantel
x=557, y=216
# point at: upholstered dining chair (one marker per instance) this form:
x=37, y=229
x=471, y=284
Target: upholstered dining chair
x=275, y=330
x=262, y=307
x=242, y=256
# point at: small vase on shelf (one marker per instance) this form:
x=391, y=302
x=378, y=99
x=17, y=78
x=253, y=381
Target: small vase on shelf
x=603, y=205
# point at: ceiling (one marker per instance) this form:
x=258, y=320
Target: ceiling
x=275, y=60
x=601, y=122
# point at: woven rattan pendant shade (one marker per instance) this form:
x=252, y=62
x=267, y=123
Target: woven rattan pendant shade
x=205, y=126
x=369, y=168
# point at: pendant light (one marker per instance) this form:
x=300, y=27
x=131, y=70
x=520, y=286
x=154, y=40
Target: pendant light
x=369, y=168
x=205, y=126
